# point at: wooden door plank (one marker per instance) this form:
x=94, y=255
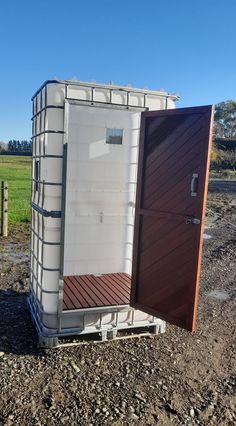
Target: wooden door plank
x=174, y=145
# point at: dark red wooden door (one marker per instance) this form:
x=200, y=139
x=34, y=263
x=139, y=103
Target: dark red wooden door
x=174, y=157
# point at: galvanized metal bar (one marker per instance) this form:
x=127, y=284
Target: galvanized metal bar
x=35, y=257
x=63, y=209
x=48, y=131
x=47, y=156
x=42, y=256
x=46, y=213
x=50, y=243
x=42, y=289
x=45, y=84
x=40, y=115
x=89, y=85
x=132, y=317
x=43, y=182
x=47, y=107
x=43, y=196
x=100, y=321
x=105, y=104
x=45, y=114
x=40, y=264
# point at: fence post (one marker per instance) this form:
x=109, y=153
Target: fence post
x=4, y=209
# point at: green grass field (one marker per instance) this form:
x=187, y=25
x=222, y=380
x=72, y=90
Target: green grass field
x=16, y=170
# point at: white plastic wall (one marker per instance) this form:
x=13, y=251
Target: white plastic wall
x=100, y=191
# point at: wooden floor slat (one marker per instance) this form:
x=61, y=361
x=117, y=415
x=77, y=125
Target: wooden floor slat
x=116, y=292
x=88, y=291
x=99, y=298
x=122, y=284
x=118, y=287
x=70, y=298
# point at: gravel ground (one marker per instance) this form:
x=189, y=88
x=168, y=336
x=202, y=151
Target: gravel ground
x=177, y=378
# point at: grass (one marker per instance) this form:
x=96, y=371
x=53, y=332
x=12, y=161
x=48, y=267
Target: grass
x=16, y=170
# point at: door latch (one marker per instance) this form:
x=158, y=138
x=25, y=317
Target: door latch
x=192, y=221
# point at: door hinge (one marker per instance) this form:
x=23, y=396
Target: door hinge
x=192, y=221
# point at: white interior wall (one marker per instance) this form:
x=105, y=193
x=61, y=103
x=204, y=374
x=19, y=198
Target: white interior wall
x=100, y=190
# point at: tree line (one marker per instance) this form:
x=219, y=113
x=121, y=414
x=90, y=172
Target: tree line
x=16, y=146
x=224, y=141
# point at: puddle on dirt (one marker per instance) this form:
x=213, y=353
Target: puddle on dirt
x=15, y=256
x=207, y=236
x=218, y=294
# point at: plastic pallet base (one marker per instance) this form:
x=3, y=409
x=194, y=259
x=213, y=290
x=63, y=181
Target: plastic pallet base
x=103, y=335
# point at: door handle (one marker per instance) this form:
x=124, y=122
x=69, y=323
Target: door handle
x=194, y=185
x=192, y=221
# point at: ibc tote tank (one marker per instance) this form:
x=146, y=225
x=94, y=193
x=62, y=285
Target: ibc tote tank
x=84, y=174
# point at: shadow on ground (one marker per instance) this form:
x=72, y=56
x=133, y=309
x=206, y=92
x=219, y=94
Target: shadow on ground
x=18, y=335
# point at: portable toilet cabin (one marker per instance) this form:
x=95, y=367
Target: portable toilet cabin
x=90, y=234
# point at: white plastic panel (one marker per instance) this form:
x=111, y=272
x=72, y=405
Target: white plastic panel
x=79, y=92
x=55, y=94
x=170, y=103
x=100, y=191
x=54, y=119
x=92, y=322
x=136, y=99
x=153, y=103
x=95, y=322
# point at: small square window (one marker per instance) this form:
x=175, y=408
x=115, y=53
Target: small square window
x=114, y=136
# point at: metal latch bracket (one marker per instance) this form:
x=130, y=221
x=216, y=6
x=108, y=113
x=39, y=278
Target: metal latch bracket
x=192, y=221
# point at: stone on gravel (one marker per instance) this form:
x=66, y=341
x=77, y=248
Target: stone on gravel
x=208, y=412
x=75, y=367
x=140, y=397
x=133, y=416
x=64, y=419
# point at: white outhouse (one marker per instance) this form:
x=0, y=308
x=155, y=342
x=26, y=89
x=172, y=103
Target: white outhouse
x=84, y=177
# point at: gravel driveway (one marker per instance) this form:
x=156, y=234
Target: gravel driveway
x=176, y=378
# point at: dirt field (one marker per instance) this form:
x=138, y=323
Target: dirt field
x=176, y=378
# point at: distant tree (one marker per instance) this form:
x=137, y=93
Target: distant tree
x=19, y=146
x=229, y=160
x=225, y=120
x=216, y=158
x=3, y=146
x=10, y=145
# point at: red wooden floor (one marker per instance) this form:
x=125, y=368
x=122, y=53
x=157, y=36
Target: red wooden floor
x=88, y=291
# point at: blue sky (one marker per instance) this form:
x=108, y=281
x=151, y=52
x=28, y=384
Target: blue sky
x=183, y=46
